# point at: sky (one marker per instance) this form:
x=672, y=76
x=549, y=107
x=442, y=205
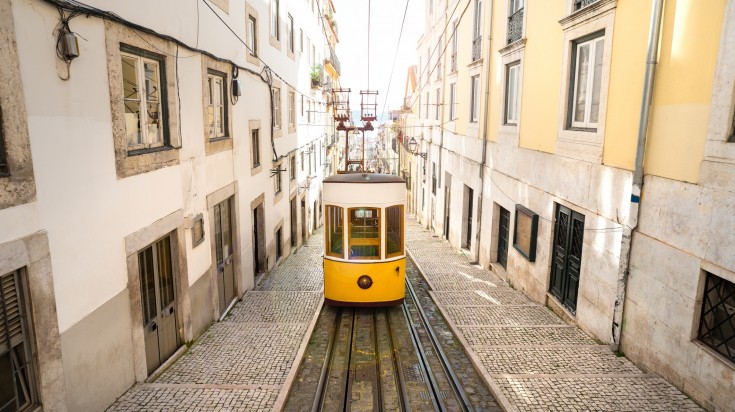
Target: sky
x=385, y=27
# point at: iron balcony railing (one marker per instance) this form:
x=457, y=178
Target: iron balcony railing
x=453, y=62
x=515, y=26
x=476, y=48
x=334, y=61
x=580, y=4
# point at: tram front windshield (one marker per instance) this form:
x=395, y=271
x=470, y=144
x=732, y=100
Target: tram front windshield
x=364, y=233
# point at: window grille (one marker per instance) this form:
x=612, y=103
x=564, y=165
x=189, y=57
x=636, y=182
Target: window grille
x=515, y=26
x=717, y=321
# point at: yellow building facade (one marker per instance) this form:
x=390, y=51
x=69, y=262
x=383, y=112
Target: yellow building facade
x=527, y=116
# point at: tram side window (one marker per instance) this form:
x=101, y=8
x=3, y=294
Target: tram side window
x=364, y=233
x=394, y=230
x=335, y=231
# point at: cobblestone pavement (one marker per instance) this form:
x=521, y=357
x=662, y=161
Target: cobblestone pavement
x=244, y=362
x=531, y=359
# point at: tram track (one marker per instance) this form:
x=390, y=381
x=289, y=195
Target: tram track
x=364, y=370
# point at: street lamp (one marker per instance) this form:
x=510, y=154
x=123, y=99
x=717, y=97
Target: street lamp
x=412, y=145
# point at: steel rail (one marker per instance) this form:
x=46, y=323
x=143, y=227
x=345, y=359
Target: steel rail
x=396, y=358
x=457, y=388
x=432, y=386
x=379, y=384
x=322, y=386
x=348, y=381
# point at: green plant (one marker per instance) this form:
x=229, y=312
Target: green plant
x=316, y=73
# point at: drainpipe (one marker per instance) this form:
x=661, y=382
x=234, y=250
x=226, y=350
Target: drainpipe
x=484, y=133
x=637, y=189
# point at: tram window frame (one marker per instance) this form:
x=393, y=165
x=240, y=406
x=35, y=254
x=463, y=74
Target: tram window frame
x=335, y=214
x=388, y=225
x=363, y=241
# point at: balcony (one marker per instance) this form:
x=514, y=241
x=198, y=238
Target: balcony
x=476, y=48
x=515, y=26
x=332, y=60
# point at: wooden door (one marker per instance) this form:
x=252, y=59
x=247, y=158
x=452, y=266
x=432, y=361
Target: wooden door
x=567, y=256
x=223, y=235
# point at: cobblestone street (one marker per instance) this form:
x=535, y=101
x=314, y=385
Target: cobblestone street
x=245, y=362
x=532, y=359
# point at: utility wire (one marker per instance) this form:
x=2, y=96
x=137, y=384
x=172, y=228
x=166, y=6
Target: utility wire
x=395, y=57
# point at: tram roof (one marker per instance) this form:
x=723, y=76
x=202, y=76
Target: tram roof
x=364, y=178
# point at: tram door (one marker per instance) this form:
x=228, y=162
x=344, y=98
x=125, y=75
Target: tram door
x=158, y=301
x=223, y=249
x=568, y=236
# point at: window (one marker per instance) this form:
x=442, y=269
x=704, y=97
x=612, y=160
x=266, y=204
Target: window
x=717, y=320
x=477, y=31
x=291, y=109
x=277, y=180
x=433, y=178
x=453, y=58
x=4, y=170
x=428, y=99
x=335, y=231
x=216, y=105
x=364, y=233
x=292, y=168
x=587, y=78
x=252, y=36
x=515, y=20
x=302, y=160
x=301, y=40
x=580, y=4
x=144, y=97
x=17, y=385
x=274, y=20
x=290, y=34
x=474, y=98
x=255, y=146
x=511, y=93
x=451, y=101
x=276, y=107
x=438, y=105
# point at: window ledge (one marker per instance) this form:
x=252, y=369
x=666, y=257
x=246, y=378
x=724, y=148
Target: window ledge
x=582, y=15
x=717, y=355
x=476, y=63
x=138, y=152
x=515, y=46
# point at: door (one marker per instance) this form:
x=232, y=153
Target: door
x=447, y=195
x=158, y=301
x=503, y=235
x=303, y=220
x=258, y=240
x=294, y=227
x=469, y=196
x=565, y=270
x=223, y=249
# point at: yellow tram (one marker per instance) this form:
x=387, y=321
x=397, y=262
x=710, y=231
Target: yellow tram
x=364, y=256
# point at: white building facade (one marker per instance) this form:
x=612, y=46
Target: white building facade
x=149, y=177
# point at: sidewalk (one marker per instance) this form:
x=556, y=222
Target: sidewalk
x=247, y=361
x=531, y=359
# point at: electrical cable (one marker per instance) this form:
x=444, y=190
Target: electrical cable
x=395, y=57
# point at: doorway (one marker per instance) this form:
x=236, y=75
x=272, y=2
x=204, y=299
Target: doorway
x=258, y=240
x=316, y=218
x=304, y=222
x=158, y=301
x=565, y=270
x=223, y=240
x=447, y=203
x=467, y=217
x=294, y=227
x=503, y=235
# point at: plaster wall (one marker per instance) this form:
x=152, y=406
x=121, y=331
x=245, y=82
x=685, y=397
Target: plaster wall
x=673, y=248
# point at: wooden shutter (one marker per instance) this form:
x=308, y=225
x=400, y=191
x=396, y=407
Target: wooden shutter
x=11, y=330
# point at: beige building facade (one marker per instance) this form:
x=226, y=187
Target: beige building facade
x=527, y=117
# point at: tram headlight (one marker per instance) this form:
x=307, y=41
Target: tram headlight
x=364, y=282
